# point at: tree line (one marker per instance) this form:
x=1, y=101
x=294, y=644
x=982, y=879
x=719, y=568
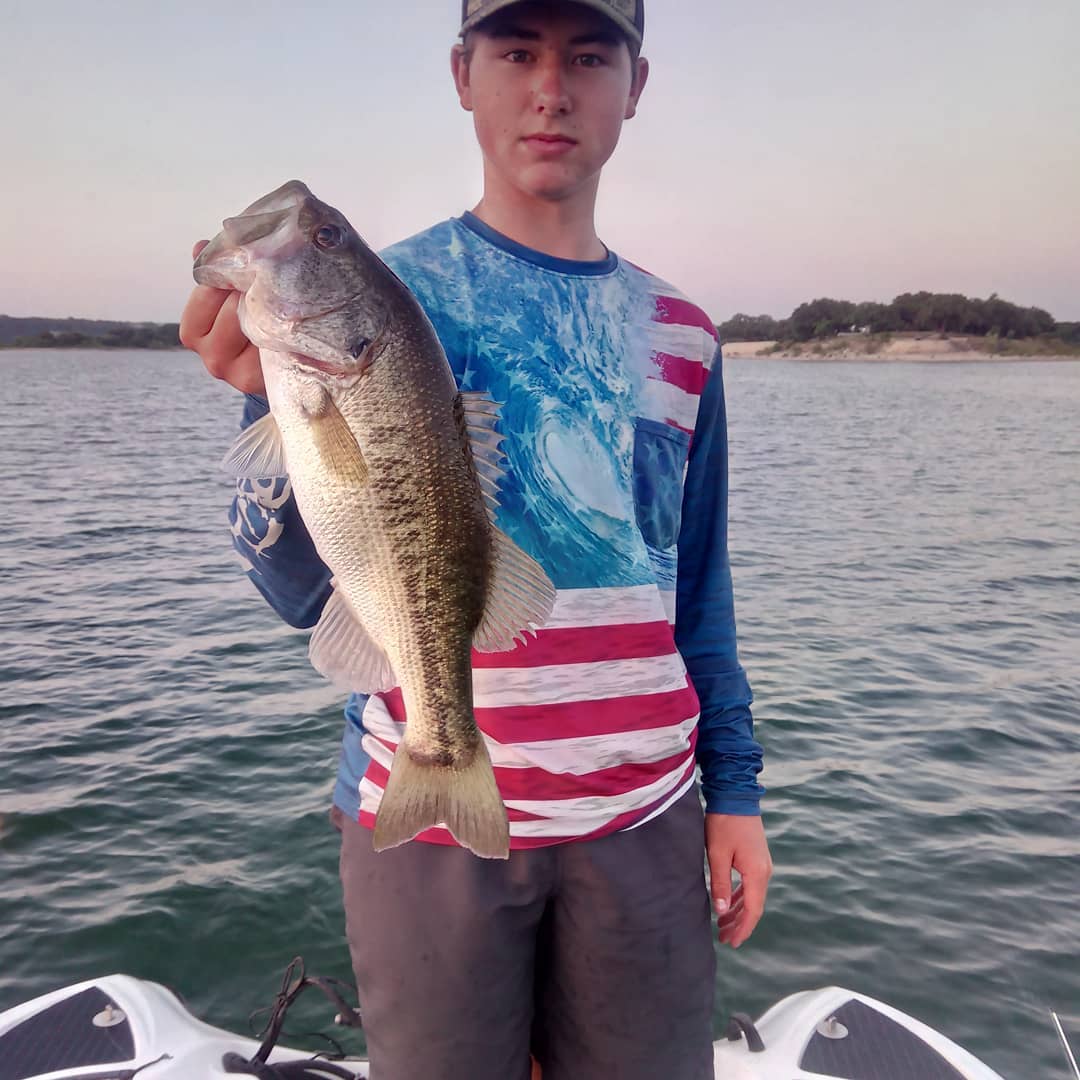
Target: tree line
x=944, y=313
x=41, y=333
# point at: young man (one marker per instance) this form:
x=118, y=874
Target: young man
x=591, y=945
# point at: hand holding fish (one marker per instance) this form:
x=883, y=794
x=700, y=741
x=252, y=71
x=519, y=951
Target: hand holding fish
x=210, y=326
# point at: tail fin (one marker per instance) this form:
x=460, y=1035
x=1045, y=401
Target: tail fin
x=466, y=800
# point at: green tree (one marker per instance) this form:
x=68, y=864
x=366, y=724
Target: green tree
x=749, y=328
x=1068, y=332
x=876, y=317
x=821, y=318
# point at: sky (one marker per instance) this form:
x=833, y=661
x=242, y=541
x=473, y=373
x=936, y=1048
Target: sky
x=782, y=150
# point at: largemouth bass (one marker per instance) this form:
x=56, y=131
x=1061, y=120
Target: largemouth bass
x=395, y=474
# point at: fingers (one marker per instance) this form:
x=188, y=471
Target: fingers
x=729, y=904
x=727, y=923
x=210, y=326
x=719, y=856
x=225, y=343
x=720, y=884
x=736, y=843
x=200, y=313
x=754, y=885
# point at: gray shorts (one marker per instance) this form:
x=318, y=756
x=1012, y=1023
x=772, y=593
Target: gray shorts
x=597, y=956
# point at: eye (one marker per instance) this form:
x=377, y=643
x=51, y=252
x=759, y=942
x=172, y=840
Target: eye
x=329, y=236
x=358, y=347
x=518, y=56
x=589, y=60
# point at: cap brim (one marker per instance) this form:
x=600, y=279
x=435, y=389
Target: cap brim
x=621, y=21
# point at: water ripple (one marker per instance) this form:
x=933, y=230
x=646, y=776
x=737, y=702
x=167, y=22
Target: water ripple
x=906, y=550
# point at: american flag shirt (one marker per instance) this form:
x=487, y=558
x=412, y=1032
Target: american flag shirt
x=616, y=483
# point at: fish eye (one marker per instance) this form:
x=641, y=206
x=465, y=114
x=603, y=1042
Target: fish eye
x=329, y=237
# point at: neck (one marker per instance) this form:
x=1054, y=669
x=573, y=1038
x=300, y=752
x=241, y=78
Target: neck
x=563, y=228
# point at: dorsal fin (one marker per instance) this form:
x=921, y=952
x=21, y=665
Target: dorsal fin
x=478, y=416
x=520, y=595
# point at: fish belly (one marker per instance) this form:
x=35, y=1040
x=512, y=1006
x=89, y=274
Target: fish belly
x=409, y=547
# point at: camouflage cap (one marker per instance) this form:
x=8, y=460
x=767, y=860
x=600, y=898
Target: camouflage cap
x=628, y=15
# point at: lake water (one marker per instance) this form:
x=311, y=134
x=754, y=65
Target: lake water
x=906, y=547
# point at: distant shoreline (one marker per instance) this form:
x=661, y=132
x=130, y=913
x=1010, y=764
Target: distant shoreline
x=40, y=332
x=92, y=347
x=847, y=349
x=899, y=348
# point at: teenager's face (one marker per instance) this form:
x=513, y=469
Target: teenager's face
x=549, y=89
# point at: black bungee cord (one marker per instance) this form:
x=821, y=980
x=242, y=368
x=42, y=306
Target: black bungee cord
x=293, y=984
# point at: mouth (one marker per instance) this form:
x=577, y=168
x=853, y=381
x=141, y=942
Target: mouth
x=548, y=143
x=336, y=370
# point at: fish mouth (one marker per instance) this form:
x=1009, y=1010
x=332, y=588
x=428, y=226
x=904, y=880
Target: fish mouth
x=350, y=366
x=337, y=371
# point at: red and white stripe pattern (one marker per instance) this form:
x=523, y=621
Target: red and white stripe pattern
x=590, y=725
x=681, y=343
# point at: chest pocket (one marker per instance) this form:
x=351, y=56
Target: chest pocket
x=659, y=460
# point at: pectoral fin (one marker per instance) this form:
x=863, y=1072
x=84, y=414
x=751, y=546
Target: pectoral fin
x=258, y=451
x=337, y=446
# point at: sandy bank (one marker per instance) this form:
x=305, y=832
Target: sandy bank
x=909, y=348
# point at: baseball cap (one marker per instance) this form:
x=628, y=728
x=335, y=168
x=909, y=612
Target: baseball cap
x=628, y=15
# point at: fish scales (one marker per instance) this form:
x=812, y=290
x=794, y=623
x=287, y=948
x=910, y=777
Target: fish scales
x=421, y=587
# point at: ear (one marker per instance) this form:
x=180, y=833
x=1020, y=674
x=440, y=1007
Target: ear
x=637, y=85
x=459, y=68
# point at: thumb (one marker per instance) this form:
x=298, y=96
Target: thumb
x=720, y=880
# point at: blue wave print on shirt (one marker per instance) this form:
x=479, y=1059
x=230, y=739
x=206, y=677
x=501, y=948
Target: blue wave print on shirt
x=555, y=349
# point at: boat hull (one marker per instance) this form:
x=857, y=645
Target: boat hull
x=107, y=1027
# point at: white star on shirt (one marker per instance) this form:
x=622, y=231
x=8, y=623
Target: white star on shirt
x=509, y=323
x=540, y=350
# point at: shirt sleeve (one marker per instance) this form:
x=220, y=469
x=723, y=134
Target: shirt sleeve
x=273, y=542
x=729, y=757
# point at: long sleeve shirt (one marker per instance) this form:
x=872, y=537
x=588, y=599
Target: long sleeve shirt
x=616, y=483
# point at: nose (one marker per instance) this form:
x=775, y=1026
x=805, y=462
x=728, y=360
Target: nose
x=551, y=93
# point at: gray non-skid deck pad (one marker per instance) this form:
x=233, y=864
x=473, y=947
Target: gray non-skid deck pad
x=64, y=1036
x=875, y=1048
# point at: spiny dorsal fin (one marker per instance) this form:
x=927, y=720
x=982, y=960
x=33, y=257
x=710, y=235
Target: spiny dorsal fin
x=258, y=451
x=520, y=595
x=343, y=650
